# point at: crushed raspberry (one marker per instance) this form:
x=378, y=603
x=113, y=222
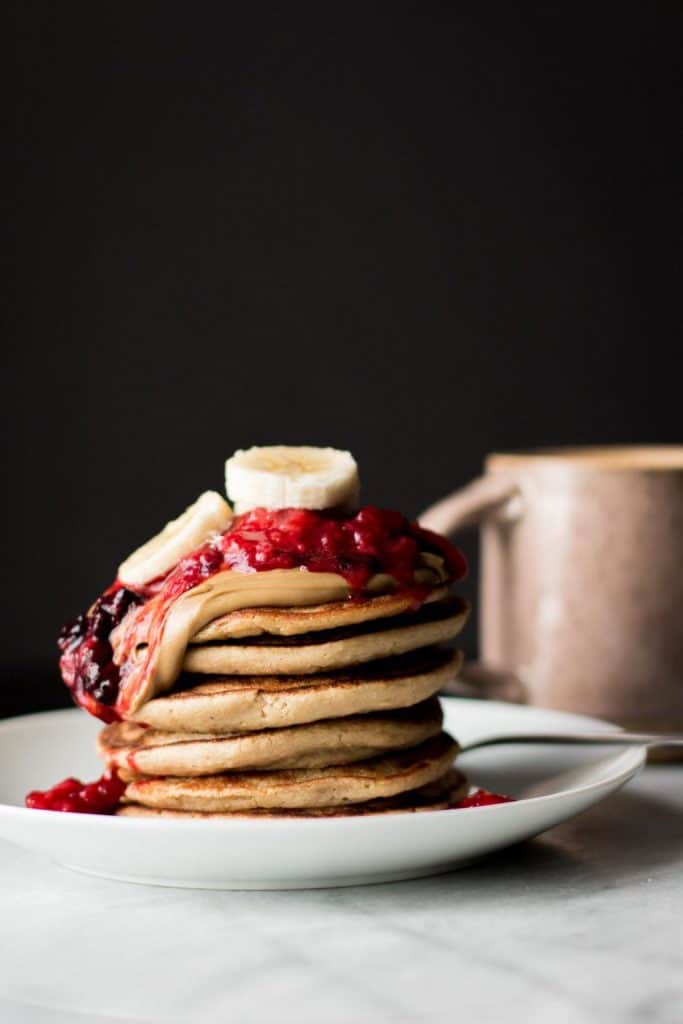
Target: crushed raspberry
x=100, y=797
x=356, y=547
x=483, y=798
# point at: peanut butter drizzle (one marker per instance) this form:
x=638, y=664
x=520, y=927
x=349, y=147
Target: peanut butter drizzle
x=151, y=642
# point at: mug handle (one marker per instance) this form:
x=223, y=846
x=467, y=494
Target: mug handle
x=494, y=497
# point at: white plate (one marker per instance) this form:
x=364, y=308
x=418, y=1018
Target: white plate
x=39, y=750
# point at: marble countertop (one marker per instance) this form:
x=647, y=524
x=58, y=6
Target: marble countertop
x=581, y=925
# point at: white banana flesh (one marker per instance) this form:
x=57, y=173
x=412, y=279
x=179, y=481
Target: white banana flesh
x=208, y=515
x=285, y=477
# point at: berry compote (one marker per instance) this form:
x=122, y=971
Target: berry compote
x=483, y=798
x=100, y=797
x=356, y=547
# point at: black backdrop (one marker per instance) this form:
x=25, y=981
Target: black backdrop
x=421, y=232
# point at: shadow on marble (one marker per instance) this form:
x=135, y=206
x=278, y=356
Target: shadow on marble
x=625, y=839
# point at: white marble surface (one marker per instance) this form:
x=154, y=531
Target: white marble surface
x=581, y=925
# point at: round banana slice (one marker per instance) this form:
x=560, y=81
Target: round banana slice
x=284, y=477
x=209, y=514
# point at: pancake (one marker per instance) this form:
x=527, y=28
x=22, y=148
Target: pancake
x=136, y=749
x=309, y=619
x=379, y=777
x=441, y=795
x=428, y=612
x=240, y=703
x=322, y=652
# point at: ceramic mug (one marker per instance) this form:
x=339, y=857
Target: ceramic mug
x=581, y=586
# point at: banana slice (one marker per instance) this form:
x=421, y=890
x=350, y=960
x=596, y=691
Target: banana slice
x=283, y=477
x=209, y=514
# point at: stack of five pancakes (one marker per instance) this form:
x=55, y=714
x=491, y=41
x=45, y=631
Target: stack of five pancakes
x=315, y=711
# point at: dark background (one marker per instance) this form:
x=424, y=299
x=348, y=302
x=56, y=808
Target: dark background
x=421, y=232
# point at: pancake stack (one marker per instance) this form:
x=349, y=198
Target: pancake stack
x=311, y=711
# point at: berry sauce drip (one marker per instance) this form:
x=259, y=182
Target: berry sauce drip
x=483, y=798
x=101, y=797
x=356, y=547
x=87, y=663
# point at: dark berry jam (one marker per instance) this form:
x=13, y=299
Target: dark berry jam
x=483, y=798
x=101, y=797
x=87, y=663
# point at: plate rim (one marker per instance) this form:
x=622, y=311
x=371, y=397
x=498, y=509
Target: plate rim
x=634, y=758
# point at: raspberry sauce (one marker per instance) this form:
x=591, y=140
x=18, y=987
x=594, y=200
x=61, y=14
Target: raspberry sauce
x=483, y=798
x=357, y=547
x=100, y=797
